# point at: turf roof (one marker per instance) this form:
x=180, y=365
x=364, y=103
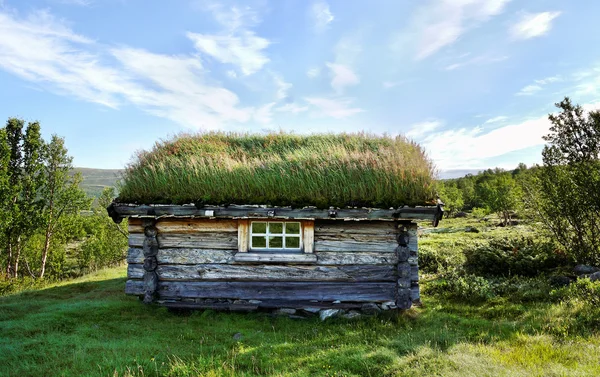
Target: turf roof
x=340, y=170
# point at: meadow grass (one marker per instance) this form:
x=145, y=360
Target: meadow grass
x=282, y=170
x=89, y=327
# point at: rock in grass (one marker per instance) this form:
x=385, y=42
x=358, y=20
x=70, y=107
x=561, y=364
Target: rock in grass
x=370, y=308
x=352, y=314
x=329, y=313
x=285, y=311
x=311, y=310
x=237, y=336
x=595, y=276
x=582, y=269
x=560, y=281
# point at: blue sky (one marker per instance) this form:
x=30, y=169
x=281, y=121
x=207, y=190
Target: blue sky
x=471, y=80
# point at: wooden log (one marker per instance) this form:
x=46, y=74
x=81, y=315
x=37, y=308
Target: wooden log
x=406, y=213
x=275, y=258
x=136, y=240
x=243, y=231
x=414, y=273
x=134, y=287
x=403, y=301
x=404, y=283
x=403, y=254
x=224, y=272
x=135, y=255
x=404, y=271
x=347, y=245
x=267, y=304
x=415, y=294
x=223, y=240
x=135, y=271
x=353, y=258
x=193, y=226
x=194, y=256
x=321, y=291
x=150, y=263
x=341, y=228
x=150, y=246
x=308, y=229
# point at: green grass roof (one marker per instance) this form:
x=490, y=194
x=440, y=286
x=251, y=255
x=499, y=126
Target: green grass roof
x=341, y=170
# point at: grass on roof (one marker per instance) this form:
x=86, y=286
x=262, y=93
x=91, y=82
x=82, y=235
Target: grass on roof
x=340, y=170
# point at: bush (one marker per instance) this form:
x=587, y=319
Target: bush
x=467, y=287
x=523, y=256
x=433, y=259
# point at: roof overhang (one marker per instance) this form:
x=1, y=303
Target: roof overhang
x=118, y=211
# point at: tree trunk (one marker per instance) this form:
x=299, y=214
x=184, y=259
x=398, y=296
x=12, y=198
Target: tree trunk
x=17, y=256
x=8, y=258
x=45, y=252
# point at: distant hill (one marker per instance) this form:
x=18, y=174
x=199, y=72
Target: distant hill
x=457, y=173
x=95, y=180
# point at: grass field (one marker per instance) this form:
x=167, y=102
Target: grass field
x=89, y=327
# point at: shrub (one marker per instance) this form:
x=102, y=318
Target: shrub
x=433, y=259
x=463, y=287
x=524, y=256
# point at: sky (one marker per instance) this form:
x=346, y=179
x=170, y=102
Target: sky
x=472, y=81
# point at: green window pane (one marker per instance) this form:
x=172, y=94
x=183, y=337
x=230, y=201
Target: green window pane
x=292, y=242
x=292, y=228
x=276, y=242
x=259, y=227
x=276, y=228
x=259, y=241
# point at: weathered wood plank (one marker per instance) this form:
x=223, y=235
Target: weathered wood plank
x=308, y=229
x=194, y=256
x=135, y=255
x=224, y=272
x=135, y=271
x=329, y=258
x=243, y=230
x=341, y=245
x=321, y=291
x=378, y=228
x=222, y=240
x=405, y=213
x=267, y=304
x=185, y=226
x=275, y=258
x=134, y=287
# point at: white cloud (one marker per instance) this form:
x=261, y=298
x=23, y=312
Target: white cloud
x=342, y=77
x=232, y=74
x=282, y=87
x=440, y=23
x=334, y=107
x=264, y=113
x=529, y=90
x=549, y=80
x=321, y=15
x=44, y=51
x=291, y=108
x=390, y=84
x=538, y=85
x=236, y=44
x=313, y=73
x=496, y=119
x=244, y=50
x=533, y=25
x=477, y=60
x=421, y=129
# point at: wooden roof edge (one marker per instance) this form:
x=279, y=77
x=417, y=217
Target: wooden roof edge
x=118, y=211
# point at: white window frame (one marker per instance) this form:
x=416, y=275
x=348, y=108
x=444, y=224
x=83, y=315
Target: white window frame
x=268, y=234
x=245, y=236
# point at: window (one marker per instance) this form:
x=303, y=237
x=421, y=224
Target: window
x=263, y=236
x=275, y=236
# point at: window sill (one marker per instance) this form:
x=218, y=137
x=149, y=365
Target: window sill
x=300, y=258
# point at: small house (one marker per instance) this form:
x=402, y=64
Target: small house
x=242, y=222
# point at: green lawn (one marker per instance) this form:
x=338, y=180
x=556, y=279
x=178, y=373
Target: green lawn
x=89, y=327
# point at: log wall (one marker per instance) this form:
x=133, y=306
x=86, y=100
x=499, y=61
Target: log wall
x=193, y=261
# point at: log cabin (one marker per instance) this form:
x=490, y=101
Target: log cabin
x=245, y=222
